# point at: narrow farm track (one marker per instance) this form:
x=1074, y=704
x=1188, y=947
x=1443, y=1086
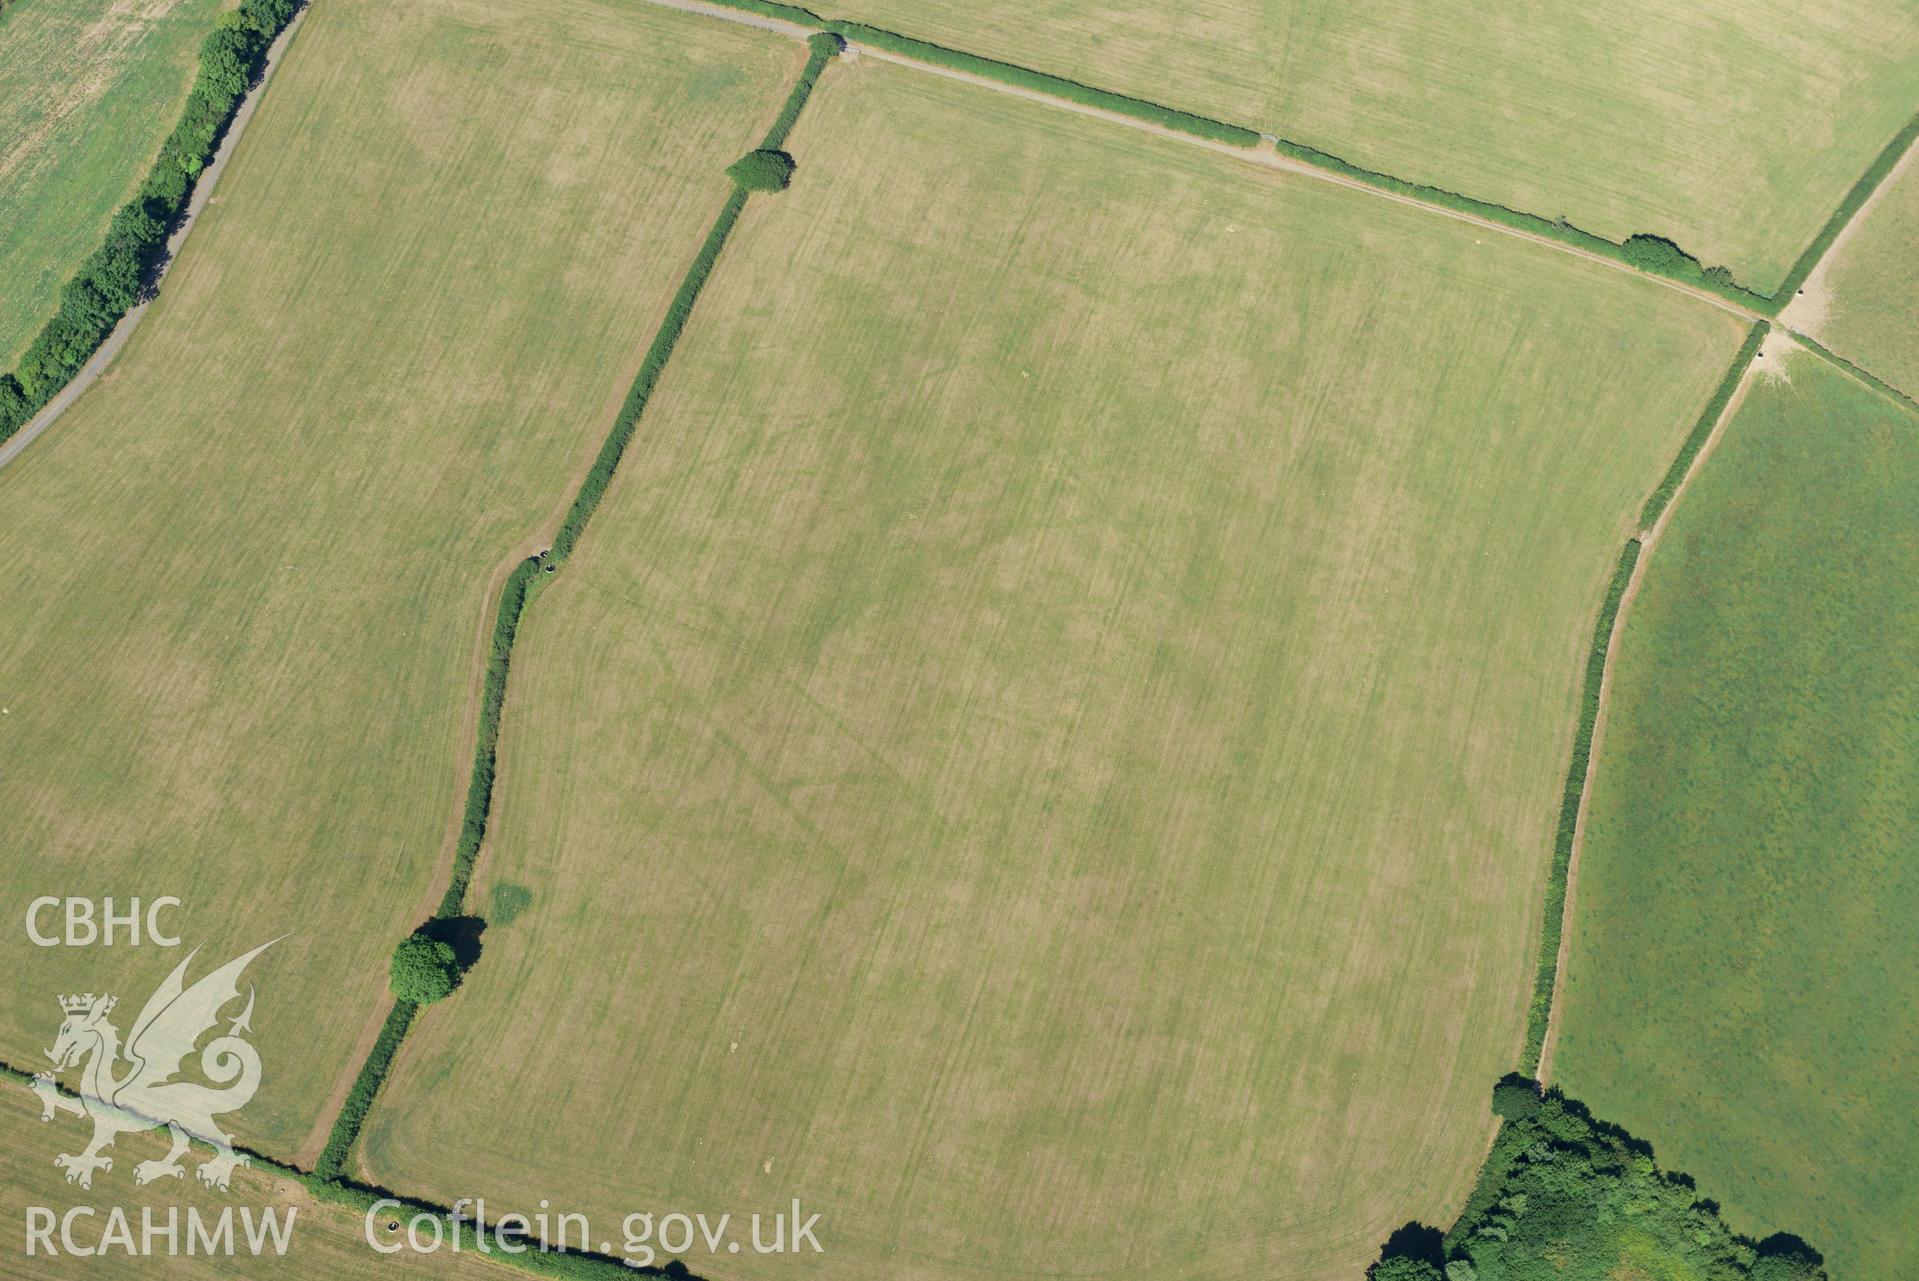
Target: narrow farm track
x=202, y=193
x=1264, y=155
x=1648, y=543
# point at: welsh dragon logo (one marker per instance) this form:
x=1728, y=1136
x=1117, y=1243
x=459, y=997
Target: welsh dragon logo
x=145, y=1095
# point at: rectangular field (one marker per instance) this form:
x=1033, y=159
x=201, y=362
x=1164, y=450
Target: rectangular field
x=240, y=623
x=1733, y=129
x=1049, y=752
x=88, y=90
x=1740, y=987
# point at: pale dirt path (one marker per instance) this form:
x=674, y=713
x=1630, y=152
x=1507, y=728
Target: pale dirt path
x=202, y=192
x=1264, y=155
x=1811, y=307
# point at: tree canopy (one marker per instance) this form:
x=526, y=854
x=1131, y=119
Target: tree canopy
x=1566, y=1197
x=424, y=969
x=762, y=170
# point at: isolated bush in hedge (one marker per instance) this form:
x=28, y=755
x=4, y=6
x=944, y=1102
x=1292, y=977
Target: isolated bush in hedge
x=1656, y=253
x=424, y=970
x=1516, y=1098
x=762, y=170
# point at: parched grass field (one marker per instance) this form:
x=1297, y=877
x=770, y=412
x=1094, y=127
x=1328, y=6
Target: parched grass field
x=1050, y=749
x=247, y=575
x=1860, y=301
x=1740, y=987
x=1731, y=128
x=88, y=90
x=327, y=1241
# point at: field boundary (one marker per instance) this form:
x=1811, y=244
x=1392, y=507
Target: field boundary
x=1572, y=800
x=1643, y=253
x=103, y=301
x=1682, y=464
x=1865, y=376
x=522, y=585
x=1600, y=661
x=1849, y=205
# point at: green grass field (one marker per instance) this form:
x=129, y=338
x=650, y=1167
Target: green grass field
x=1049, y=751
x=241, y=623
x=1739, y=989
x=1733, y=129
x=1861, y=302
x=88, y=90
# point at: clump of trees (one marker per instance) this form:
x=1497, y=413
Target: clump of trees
x=113, y=277
x=424, y=969
x=1661, y=256
x=762, y=170
x=1566, y=1197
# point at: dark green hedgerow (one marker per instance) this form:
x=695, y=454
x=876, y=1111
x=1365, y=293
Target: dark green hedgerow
x=1653, y=254
x=479, y=787
x=1860, y=193
x=1006, y=73
x=460, y=1234
x=822, y=48
x=113, y=277
x=359, y=1099
x=1656, y=505
x=1548, y=972
x=1871, y=380
x=677, y=314
x=479, y=799
x=1057, y=86
x=770, y=9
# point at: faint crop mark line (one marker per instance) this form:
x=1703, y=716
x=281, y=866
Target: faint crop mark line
x=523, y=584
